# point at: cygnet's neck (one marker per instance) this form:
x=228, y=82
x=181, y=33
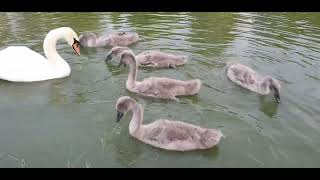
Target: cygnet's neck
x=49, y=45
x=132, y=77
x=136, y=121
x=265, y=85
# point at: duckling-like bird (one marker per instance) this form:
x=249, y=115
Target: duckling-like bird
x=249, y=79
x=157, y=87
x=151, y=58
x=90, y=39
x=166, y=134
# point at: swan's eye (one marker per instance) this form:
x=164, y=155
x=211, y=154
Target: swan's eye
x=76, y=42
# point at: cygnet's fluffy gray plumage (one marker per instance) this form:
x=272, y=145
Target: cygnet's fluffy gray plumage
x=157, y=87
x=151, y=58
x=166, y=134
x=249, y=79
x=90, y=39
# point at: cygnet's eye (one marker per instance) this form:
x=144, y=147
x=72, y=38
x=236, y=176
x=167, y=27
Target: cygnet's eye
x=122, y=107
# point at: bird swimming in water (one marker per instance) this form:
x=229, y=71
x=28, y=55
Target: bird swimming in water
x=166, y=134
x=249, y=79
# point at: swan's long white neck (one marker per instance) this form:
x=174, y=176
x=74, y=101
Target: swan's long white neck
x=49, y=45
x=136, y=121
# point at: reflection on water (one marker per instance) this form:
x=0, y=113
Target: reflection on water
x=268, y=107
x=121, y=144
x=70, y=122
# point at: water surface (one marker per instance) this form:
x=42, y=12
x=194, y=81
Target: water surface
x=70, y=122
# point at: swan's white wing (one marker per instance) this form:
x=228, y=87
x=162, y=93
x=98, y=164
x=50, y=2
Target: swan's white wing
x=19, y=63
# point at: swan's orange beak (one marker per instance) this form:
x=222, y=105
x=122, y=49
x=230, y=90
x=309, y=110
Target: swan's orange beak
x=76, y=46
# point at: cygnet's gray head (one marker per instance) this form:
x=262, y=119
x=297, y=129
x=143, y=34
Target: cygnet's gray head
x=115, y=51
x=88, y=39
x=273, y=85
x=123, y=105
x=127, y=57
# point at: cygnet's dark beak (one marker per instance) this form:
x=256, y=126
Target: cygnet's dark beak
x=277, y=95
x=119, y=115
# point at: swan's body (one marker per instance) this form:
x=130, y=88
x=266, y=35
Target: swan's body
x=21, y=64
x=157, y=87
x=113, y=39
x=166, y=134
x=249, y=79
x=151, y=58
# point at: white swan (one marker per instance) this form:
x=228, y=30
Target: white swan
x=249, y=79
x=90, y=39
x=21, y=64
x=151, y=58
x=166, y=134
x=157, y=87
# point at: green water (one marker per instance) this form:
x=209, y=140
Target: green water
x=70, y=122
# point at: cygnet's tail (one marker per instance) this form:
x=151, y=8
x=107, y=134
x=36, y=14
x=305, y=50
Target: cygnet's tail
x=193, y=86
x=210, y=138
x=216, y=137
x=182, y=60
